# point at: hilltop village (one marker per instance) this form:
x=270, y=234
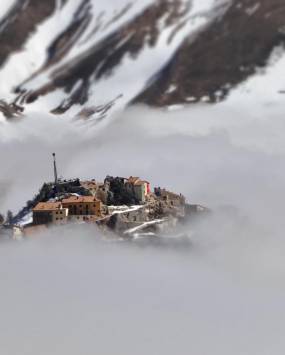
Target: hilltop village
x=118, y=204
x=126, y=206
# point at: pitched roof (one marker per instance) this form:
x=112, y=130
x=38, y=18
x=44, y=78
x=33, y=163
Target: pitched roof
x=141, y=182
x=48, y=206
x=136, y=181
x=80, y=199
x=133, y=179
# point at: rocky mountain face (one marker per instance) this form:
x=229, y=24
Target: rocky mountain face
x=82, y=58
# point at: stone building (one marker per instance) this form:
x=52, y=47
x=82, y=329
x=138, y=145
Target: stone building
x=97, y=189
x=49, y=212
x=169, y=202
x=90, y=185
x=170, y=197
x=82, y=205
x=102, y=192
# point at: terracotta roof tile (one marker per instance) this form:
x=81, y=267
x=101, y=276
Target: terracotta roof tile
x=80, y=199
x=48, y=206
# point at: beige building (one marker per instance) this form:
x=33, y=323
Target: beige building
x=138, y=187
x=49, y=212
x=82, y=205
x=84, y=218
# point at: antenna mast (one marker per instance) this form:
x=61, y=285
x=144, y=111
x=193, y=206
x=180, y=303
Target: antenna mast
x=55, y=170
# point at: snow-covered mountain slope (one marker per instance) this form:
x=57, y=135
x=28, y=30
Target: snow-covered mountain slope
x=89, y=58
x=233, y=48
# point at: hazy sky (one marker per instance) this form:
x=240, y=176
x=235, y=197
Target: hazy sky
x=68, y=293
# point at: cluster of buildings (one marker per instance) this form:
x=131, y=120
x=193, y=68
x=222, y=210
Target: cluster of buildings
x=90, y=207
x=105, y=203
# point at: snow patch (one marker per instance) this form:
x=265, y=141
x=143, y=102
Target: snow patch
x=27, y=219
x=171, y=89
x=6, y=6
x=123, y=209
x=205, y=99
x=253, y=9
x=191, y=99
x=143, y=225
x=266, y=84
x=175, y=107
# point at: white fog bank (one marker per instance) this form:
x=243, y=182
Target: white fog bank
x=68, y=293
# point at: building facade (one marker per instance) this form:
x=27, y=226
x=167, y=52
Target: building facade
x=140, y=188
x=49, y=212
x=83, y=205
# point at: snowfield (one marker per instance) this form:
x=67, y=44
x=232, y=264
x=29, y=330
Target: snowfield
x=267, y=85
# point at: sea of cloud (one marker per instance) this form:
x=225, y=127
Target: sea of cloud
x=67, y=292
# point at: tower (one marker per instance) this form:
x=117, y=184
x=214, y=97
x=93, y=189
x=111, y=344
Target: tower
x=55, y=170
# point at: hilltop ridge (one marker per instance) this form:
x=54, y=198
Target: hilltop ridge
x=126, y=206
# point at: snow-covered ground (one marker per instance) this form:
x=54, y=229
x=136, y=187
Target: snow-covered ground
x=124, y=209
x=267, y=86
x=5, y=6
x=27, y=219
x=135, y=230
